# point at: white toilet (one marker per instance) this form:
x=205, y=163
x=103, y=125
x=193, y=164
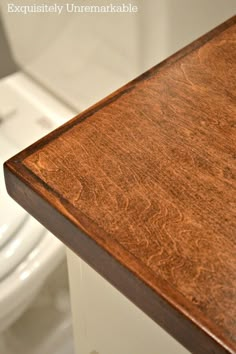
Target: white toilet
x=28, y=252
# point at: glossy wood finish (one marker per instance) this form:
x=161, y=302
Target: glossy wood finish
x=142, y=187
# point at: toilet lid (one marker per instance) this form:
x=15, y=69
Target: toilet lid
x=12, y=216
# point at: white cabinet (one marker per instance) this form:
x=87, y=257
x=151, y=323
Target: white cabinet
x=106, y=322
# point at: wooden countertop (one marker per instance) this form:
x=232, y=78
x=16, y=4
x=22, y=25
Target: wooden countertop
x=142, y=187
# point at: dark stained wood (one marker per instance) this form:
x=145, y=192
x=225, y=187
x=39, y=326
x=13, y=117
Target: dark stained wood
x=142, y=187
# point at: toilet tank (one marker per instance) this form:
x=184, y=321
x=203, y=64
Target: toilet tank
x=82, y=57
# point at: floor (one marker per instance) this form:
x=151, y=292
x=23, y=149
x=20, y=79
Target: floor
x=46, y=326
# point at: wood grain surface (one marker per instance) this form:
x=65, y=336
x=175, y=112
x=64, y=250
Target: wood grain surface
x=142, y=187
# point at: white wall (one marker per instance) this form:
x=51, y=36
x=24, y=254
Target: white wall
x=80, y=57
x=83, y=57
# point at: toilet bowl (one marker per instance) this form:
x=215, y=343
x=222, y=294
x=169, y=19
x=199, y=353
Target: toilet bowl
x=28, y=252
x=18, y=288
